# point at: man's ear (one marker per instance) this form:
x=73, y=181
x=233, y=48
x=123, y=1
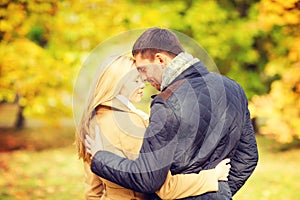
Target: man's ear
x=162, y=58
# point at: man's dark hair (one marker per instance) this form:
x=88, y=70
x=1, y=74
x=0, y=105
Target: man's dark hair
x=155, y=40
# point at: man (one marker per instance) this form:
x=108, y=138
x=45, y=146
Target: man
x=198, y=119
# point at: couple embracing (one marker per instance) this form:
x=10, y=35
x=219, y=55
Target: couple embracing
x=198, y=124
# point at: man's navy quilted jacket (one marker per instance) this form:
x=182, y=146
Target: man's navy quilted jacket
x=199, y=120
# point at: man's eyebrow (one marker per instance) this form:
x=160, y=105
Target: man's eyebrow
x=139, y=68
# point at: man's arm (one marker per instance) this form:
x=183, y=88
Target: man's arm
x=245, y=158
x=148, y=172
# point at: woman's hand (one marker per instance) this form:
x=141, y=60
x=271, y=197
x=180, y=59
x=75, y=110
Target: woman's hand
x=222, y=170
x=93, y=145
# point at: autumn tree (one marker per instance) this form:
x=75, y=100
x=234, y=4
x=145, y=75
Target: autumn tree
x=280, y=109
x=29, y=75
x=44, y=43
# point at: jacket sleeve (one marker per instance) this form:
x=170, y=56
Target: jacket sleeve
x=185, y=185
x=94, y=186
x=148, y=172
x=245, y=158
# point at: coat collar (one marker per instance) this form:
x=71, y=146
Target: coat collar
x=121, y=103
x=116, y=104
x=131, y=107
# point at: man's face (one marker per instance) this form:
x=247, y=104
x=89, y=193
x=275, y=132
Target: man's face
x=150, y=71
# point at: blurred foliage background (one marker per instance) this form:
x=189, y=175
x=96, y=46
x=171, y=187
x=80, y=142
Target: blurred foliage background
x=43, y=44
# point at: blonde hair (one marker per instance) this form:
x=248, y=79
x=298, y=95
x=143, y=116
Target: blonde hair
x=106, y=87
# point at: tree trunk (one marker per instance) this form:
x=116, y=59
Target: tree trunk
x=20, y=121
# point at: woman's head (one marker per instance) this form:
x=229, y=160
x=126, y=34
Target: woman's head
x=110, y=81
x=132, y=86
x=119, y=76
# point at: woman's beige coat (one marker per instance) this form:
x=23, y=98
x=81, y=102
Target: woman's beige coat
x=123, y=132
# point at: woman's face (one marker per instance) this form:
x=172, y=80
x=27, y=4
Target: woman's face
x=133, y=87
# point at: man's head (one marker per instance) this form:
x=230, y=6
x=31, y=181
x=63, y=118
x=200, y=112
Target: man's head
x=152, y=51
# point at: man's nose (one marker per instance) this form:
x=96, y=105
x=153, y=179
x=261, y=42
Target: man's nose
x=144, y=78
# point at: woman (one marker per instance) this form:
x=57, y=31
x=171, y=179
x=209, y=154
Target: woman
x=110, y=107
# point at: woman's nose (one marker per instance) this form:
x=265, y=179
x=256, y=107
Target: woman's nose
x=142, y=85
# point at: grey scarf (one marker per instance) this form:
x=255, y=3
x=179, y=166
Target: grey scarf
x=180, y=63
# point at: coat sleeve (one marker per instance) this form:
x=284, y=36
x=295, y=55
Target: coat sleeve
x=245, y=158
x=94, y=186
x=185, y=185
x=148, y=172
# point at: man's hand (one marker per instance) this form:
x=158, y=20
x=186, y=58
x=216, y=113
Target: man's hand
x=93, y=145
